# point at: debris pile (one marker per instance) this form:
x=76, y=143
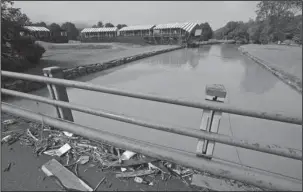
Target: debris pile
x=76, y=150
x=73, y=151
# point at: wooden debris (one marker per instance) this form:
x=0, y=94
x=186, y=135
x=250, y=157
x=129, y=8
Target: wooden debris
x=6, y=139
x=133, y=162
x=66, y=177
x=83, y=160
x=14, y=139
x=140, y=180
x=99, y=183
x=160, y=166
x=123, y=169
x=8, y=167
x=86, y=145
x=28, y=132
x=9, y=122
x=58, y=152
x=67, y=134
x=216, y=184
x=135, y=173
x=127, y=155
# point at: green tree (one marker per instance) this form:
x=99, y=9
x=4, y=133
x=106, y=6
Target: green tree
x=17, y=52
x=100, y=24
x=120, y=26
x=109, y=25
x=54, y=27
x=278, y=9
x=278, y=18
x=275, y=21
x=207, y=32
x=254, y=31
x=72, y=31
x=233, y=30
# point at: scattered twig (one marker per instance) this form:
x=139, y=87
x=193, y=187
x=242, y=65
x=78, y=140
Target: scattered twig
x=31, y=135
x=86, y=145
x=187, y=175
x=67, y=160
x=8, y=167
x=99, y=183
x=76, y=169
x=89, y=166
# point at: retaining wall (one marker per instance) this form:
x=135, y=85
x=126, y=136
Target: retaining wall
x=72, y=73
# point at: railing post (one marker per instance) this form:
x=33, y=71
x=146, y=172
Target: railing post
x=210, y=120
x=58, y=92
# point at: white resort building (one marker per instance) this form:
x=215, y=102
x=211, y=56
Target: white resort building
x=175, y=29
x=99, y=33
x=137, y=30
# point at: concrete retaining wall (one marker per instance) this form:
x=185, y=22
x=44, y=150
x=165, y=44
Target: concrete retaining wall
x=72, y=73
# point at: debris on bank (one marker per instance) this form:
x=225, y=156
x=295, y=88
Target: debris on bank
x=73, y=151
x=65, y=177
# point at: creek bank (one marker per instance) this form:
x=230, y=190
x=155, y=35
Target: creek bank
x=210, y=42
x=79, y=71
x=270, y=64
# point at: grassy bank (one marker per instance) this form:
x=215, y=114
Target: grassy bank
x=285, y=62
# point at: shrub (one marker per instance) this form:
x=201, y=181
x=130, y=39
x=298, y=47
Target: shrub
x=34, y=53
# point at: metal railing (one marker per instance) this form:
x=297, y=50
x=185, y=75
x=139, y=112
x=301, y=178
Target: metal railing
x=267, y=148
x=200, y=105
x=250, y=176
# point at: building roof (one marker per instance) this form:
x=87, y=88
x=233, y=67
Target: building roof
x=185, y=26
x=34, y=28
x=102, y=29
x=137, y=27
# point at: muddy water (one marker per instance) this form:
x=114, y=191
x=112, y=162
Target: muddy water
x=184, y=74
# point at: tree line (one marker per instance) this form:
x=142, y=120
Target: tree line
x=17, y=52
x=275, y=21
x=100, y=24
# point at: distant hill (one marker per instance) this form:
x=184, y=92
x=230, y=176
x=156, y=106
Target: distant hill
x=81, y=26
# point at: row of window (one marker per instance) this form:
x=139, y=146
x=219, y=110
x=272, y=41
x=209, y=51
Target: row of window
x=100, y=34
x=132, y=33
x=42, y=34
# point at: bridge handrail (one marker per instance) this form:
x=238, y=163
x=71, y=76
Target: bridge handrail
x=271, y=149
x=205, y=105
x=246, y=175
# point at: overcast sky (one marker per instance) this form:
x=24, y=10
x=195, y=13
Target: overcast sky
x=216, y=13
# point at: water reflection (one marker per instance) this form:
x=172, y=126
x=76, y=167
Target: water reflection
x=186, y=58
x=227, y=52
x=203, y=51
x=257, y=79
